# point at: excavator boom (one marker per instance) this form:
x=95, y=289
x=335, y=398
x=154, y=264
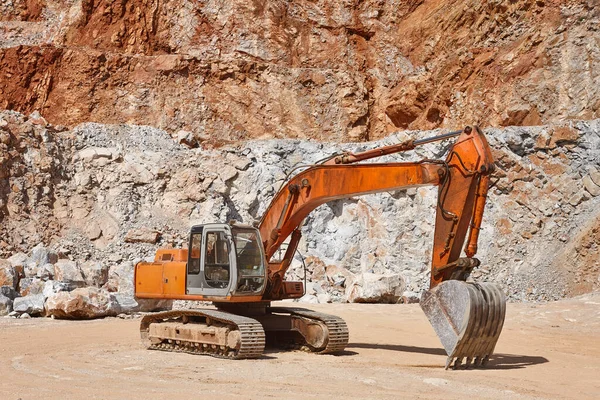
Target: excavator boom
x=468, y=318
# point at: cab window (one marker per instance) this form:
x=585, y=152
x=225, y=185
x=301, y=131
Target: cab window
x=194, y=264
x=216, y=260
x=250, y=261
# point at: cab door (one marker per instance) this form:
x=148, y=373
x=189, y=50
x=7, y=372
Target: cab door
x=211, y=263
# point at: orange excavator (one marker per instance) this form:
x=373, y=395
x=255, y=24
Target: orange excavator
x=236, y=266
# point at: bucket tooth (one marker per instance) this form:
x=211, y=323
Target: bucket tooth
x=468, y=319
x=468, y=362
x=449, y=362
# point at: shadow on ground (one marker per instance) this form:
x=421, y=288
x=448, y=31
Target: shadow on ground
x=497, y=361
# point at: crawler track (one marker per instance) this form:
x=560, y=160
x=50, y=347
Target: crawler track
x=252, y=335
x=337, y=328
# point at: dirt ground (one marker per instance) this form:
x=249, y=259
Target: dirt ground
x=545, y=351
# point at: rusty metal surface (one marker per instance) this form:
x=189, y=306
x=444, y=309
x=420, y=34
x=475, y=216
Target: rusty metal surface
x=468, y=319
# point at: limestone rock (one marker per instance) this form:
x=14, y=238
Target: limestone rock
x=590, y=186
x=32, y=304
x=309, y=298
x=142, y=235
x=51, y=287
x=9, y=292
x=68, y=271
x=28, y=286
x=40, y=255
x=6, y=305
x=376, y=288
x=82, y=303
x=95, y=273
x=129, y=304
x=8, y=275
x=120, y=278
x=18, y=259
x=42, y=271
x=594, y=174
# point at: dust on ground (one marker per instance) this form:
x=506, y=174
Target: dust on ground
x=547, y=350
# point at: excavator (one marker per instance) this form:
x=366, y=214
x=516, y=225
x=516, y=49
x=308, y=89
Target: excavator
x=241, y=269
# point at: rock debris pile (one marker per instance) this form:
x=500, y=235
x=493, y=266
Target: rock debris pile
x=78, y=208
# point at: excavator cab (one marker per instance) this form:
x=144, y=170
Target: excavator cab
x=225, y=260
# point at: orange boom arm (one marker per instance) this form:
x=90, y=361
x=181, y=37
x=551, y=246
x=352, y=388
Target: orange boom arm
x=462, y=179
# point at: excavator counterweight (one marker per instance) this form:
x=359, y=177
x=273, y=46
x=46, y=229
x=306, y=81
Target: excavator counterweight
x=236, y=266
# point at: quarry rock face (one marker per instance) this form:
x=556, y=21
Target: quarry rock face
x=129, y=122
x=539, y=237
x=224, y=71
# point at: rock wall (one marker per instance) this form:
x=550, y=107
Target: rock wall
x=225, y=71
x=105, y=196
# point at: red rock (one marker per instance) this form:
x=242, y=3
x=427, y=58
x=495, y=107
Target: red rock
x=8, y=275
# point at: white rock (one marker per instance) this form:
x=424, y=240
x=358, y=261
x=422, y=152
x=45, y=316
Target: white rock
x=18, y=259
x=68, y=271
x=51, y=287
x=32, y=304
x=95, y=273
x=324, y=298
x=128, y=304
x=5, y=305
x=375, y=288
x=309, y=298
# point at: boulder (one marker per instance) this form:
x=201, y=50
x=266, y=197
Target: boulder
x=29, y=286
x=82, y=303
x=42, y=271
x=51, y=287
x=6, y=305
x=68, y=271
x=309, y=298
x=324, y=298
x=94, y=273
x=9, y=292
x=142, y=235
x=128, y=304
x=18, y=259
x=8, y=274
x=46, y=272
x=40, y=255
x=376, y=288
x=32, y=304
x=120, y=278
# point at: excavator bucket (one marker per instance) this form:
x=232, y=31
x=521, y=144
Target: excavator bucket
x=468, y=319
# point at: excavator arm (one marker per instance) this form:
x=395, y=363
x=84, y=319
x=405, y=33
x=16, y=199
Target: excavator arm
x=468, y=318
x=462, y=180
